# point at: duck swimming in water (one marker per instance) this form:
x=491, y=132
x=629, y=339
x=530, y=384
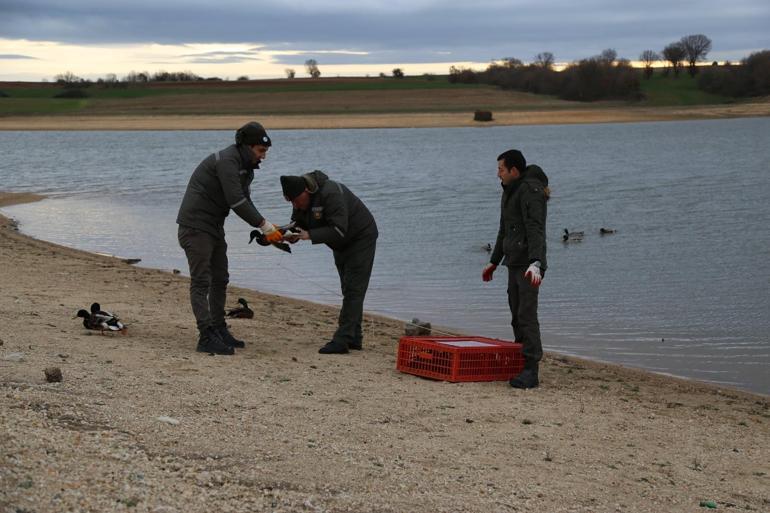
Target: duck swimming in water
x=606, y=231
x=572, y=236
x=101, y=320
x=241, y=312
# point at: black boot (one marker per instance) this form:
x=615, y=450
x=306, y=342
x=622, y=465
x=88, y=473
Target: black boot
x=228, y=338
x=356, y=346
x=527, y=379
x=334, y=347
x=210, y=342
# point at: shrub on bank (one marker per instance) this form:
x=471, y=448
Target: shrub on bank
x=751, y=78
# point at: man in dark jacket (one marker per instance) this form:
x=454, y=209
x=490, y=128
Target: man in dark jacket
x=221, y=182
x=521, y=240
x=327, y=212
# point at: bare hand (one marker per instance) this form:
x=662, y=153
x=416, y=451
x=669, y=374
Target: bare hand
x=296, y=234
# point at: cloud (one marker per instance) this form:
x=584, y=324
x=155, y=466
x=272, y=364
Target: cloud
x=12, y=57
x=395, y=30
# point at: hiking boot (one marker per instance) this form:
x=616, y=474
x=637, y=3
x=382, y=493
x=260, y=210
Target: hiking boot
x=527, y=379
x=228, y=338
x=334, y=347
x=210, y=342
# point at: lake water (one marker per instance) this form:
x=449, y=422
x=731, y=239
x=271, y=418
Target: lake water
x=681, y=288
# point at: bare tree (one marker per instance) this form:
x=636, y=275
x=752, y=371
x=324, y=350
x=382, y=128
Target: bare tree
x=608, y=56
x=696, y=47
x=674, y=53
x=311, y=65
x=140, y=77
x=544, y=60
x=67, y=78
x=648, y=57
x=290, y=73
x=511, y=62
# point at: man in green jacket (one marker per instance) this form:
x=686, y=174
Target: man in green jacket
x=521, y=241
x=327, y=212
x=220, y=183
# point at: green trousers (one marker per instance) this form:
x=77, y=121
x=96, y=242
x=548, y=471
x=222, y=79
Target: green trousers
x=207, y=258
x=522, y=299
x=354, y=265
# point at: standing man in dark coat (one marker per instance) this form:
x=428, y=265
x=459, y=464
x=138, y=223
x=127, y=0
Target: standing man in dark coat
x=327, y=212
x=221, y=182
x=521, y=240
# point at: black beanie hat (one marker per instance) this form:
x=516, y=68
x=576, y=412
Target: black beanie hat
x=252, y=133
x=292, y=186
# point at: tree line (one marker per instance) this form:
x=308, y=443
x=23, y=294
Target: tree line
x=69, y=79
x=605, y=76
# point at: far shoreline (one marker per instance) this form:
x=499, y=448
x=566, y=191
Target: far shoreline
x=580, y=115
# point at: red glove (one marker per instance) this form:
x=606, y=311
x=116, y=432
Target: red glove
x=486, y=274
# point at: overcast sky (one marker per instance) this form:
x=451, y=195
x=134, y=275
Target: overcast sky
x=41, y=38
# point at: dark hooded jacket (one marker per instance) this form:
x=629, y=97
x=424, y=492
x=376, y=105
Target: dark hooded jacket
x=220, y=183
x=523, y=210
x=335, y=217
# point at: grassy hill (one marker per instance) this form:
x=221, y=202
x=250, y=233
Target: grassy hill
x=316, y=96
x=669, y=91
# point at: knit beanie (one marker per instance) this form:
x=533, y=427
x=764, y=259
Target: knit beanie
x=292, y=186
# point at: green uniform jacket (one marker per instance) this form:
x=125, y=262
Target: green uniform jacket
x=220, y=183
x=336, y=217
x=521, y=237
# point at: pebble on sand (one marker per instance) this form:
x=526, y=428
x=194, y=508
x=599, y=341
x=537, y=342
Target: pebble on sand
x=53, y=374
x=168, y=420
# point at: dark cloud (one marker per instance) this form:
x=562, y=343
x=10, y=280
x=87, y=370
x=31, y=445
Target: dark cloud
x=12, y=57
x=474, y=31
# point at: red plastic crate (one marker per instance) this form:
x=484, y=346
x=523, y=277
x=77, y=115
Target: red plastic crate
x=460, y=358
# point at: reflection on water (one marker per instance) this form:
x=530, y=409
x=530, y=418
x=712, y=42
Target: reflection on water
x=681, y=288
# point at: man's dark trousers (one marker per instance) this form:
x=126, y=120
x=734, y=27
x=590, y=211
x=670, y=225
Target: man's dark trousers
x=522, y=299
x=207, y=257
x=354, y=265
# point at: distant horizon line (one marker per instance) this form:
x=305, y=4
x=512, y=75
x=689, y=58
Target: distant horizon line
x=557, y=66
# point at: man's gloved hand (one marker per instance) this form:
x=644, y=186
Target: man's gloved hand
x=534, y=274
x=272, y=234
x=486, y=274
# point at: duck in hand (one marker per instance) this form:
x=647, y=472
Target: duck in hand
x=101, y=320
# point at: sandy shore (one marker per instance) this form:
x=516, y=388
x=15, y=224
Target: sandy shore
x=279, y=427
x=419, y=120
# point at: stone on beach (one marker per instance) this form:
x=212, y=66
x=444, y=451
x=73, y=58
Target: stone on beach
x=53, y=374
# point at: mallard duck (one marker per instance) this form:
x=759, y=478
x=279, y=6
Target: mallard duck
x=606, y=231
x=98, y=319
x=572, y=236
x=241, y=312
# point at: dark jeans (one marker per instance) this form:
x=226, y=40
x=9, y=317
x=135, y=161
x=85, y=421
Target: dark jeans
x=522, y=299
x=207, y=258
x=354, y=265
